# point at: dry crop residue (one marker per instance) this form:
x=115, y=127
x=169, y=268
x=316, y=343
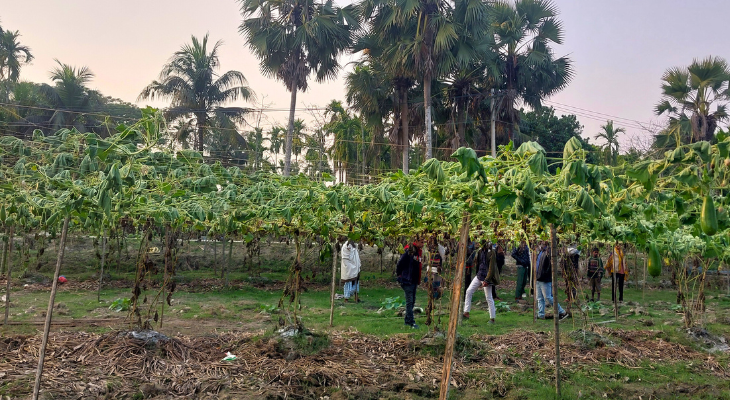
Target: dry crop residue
x=114, y=364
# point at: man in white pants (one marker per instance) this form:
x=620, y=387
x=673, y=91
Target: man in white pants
x=480, y=281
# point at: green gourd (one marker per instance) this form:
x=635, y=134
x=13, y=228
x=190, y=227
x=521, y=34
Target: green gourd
x=655, y=261
x=708, y=217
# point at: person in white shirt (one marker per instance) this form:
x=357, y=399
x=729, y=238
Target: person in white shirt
x=350, y=270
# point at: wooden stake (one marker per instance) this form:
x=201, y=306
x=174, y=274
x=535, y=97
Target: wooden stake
x=49, y=312
x=556, y=314
x=643, y=292
x=8, y=266
x=533, y=282
x=230, y=261
x=453, y=311
x=614, y=292
x=101, y=274
x=332, y=290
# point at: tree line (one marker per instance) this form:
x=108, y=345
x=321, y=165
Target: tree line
x=432, y=76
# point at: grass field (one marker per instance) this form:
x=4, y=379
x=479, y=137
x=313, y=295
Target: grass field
x=646, y=354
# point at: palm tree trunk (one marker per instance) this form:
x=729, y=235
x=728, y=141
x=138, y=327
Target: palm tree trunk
x=404, y=128
x=200, y=120
x=427, y=106
x=290, y=130
x=462, y=120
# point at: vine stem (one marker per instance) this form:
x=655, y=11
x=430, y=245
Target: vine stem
x=49, y=312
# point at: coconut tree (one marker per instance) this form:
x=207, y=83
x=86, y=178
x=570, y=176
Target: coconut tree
x=12, y=55
x=294, y=39
x=689, y=94
x=190, y=80
x=69, y=96
x=609, y=133
x=525, y=67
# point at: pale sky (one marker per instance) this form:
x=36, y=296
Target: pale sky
x=620, y=48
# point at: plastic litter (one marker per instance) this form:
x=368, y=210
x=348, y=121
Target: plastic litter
x=230, y=357
x=62, y=279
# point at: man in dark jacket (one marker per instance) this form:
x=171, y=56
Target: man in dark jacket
x=409, y=276
x=544, y=274
x=486, y=261
x=471, y=255
x=522, y=258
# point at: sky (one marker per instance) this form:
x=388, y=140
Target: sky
x=619, y=49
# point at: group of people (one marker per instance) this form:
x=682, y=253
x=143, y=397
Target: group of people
x=488, y=259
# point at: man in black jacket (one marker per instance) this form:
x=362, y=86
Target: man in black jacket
x=544, y=274
x=486, y=260
x=409, y=276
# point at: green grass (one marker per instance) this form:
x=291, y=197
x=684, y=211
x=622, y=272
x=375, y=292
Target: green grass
x=250, y=303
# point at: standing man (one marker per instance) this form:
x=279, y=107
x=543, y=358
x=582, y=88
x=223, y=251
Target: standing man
x=522, y=257
x=544, y=274
x=616, y=266
x=409, y=276
x=350, y=271
x=487, y=267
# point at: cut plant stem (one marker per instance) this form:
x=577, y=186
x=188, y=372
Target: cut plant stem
x=49, y=312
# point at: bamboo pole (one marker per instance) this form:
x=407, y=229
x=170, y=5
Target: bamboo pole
x=101, y=274
x=9, y=266
x=643, y=291
x=167, y=254
x=556, y=314
x=533, y=281
x=332, y=289
x=453, y=314
x=230, y=261
x=614, y=291
x=49, y=312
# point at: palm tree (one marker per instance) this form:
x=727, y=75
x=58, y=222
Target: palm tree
x=316, y=155
x=688, y=96
x=378, y=85
x=12, y=55
x=255, y=140
x=275, y=141
x=69, y=96
x=525, y=68
x=191, y=82
x=295, y=38
x=346, y=131
x=610, y=135
x=377, y=96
